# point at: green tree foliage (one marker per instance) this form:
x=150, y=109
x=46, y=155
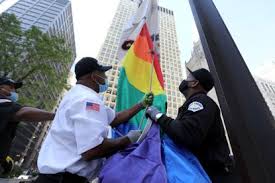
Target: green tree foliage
x=41, y=60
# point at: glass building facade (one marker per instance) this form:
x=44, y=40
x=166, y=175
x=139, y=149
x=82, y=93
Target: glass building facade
x=55, y=18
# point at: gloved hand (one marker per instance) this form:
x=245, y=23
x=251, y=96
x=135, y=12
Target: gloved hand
x=147, y=100
x=151, y=112
x=7, y=165
x=133, y=135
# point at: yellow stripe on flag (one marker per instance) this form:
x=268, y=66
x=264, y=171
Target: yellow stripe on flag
x=138, y=73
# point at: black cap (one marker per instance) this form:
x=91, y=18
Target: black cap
x=204, y=77
x=87, y=65
x=8, y=81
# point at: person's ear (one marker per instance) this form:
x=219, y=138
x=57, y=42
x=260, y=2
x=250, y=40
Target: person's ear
x=194, y=84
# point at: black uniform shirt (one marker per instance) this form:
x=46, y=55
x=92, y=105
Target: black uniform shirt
x=199, y=128
x=7, y=125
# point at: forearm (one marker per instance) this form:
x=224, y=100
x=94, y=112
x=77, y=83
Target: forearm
x=126, y=115
x=165, y=124
x=29, y=114
x=107, y=148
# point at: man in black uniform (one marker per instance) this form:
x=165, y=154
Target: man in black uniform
x=198, y=125
x=11, y=113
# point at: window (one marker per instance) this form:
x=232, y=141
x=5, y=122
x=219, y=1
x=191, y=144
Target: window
x=267, y=87
x=264, y=87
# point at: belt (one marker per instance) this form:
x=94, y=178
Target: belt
x=64, y=177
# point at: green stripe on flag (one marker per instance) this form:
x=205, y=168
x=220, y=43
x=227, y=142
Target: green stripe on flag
x=128, y=96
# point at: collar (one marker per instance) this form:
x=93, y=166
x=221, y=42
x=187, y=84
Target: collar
x=4, y=100
x=195, y=94
x=89, y=90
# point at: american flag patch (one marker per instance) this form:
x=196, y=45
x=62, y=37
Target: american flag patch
x=92, y=106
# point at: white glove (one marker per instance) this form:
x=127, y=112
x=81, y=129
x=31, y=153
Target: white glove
x=134, y=135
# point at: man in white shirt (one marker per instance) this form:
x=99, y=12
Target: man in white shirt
x=77, y=142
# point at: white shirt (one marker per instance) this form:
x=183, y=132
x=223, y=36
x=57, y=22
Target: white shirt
x=81, y=123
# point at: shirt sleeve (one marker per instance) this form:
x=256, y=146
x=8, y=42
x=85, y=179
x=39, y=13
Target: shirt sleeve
x=111, y=114
x=191, y=129
x=89, y=119
x=14, y=108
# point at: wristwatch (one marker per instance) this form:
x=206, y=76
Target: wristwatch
x=158, y=115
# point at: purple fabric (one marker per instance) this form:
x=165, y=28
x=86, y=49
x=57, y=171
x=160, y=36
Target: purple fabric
x=139, y=163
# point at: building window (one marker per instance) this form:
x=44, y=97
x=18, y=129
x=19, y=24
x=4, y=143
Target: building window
x=273, y=89
x=264, y=87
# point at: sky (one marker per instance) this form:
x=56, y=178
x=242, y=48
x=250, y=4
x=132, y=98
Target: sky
x=251, y=23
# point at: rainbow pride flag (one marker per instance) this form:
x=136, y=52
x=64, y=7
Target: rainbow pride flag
x=155, y=159
x=134, y=79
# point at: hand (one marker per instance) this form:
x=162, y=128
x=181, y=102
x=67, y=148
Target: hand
x=151, y=112
x=134, y=135
x=147, y=100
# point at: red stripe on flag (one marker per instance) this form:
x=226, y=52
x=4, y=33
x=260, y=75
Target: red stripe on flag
x=145, y=32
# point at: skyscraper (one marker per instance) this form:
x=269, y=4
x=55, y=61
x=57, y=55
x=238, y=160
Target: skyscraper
x=169, y=53
x=52, y=16
x=55, y=18
x=170, y=60
x=267, y=89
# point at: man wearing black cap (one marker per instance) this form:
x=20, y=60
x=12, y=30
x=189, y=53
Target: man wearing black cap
x=198, y=125
x=11, y=113
x=78, y=142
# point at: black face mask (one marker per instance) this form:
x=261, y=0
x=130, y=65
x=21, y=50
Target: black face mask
x=183, y=86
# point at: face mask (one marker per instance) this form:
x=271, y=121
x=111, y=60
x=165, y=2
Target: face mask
x=183, y=86
x=102, y=87
x=13, y=97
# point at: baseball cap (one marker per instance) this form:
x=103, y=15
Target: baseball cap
x=204, y=77
x=87, y=65
x=9, y=81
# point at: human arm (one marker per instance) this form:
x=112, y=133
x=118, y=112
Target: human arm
x=111, y=146
x=30, y=114
x=190, y=129
x=126, y=115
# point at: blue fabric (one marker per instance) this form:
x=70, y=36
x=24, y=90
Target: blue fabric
x=122, y=130
x=181, y=165
x=139, y=163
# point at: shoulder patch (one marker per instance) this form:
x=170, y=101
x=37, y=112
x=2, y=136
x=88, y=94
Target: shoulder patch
x=92, y=106
x=195, y=107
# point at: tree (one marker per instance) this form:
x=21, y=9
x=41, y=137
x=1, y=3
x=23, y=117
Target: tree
x=41, y=60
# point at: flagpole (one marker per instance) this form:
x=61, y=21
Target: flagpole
x=152, y=52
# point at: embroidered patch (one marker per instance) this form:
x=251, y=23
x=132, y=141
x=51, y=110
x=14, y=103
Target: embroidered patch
x=92, y=106
x=195, y=107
